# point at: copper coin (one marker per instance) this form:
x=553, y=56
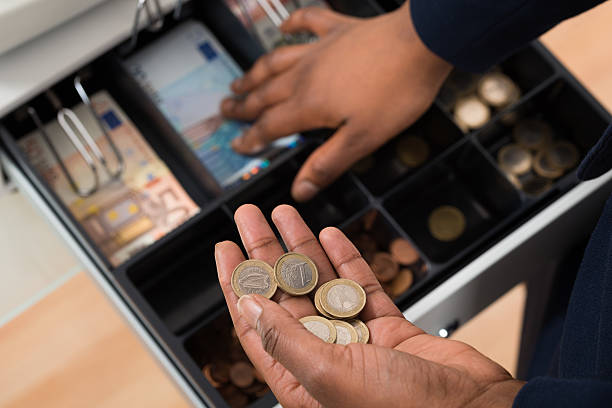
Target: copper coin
x=209, y=377
x=403, y=252
x=446, y=223
x=369, y=219
x=542, y=166
x=384, y=267
x=413, y=151
x=514, y=159
x=220, y=372
x=402, y=282
x=498, y=90
x=233, y=396
x=255, y=389
x=533, y=134
x=536, y=185
x=563, y=155
x=241, y=374
x=472, y=112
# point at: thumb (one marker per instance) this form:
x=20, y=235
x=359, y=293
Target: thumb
x=285, y=339
x=316, y=20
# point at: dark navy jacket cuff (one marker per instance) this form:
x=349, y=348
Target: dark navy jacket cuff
x=473, y=35
x=561, y=393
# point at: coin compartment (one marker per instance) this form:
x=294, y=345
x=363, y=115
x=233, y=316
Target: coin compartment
x=377, y=225
x=383, y=169
x=466, y=180
x=216, y=342
x=332, y=206
x=566, y=110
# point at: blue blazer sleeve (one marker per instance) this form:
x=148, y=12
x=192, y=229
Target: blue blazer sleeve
x=473, y=35
x=561, y=393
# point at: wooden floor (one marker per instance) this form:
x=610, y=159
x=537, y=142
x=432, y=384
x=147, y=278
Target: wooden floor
x=71, y=349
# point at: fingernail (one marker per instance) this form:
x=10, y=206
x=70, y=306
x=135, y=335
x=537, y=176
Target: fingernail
x=237, y=143
x=250, y=310
x=305, y=190
x=257, y=148
x=227, y=104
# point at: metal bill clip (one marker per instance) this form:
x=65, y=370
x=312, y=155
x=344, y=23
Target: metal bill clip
x=155, y=20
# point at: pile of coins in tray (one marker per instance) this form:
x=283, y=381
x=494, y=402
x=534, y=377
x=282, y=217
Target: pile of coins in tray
x=535, y=159
x=339, y=300
x=395, y=262
x=238, y=382
x=472, y=99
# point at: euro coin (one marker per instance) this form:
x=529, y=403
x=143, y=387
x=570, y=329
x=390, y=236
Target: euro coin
x=241, y=374
x=320, y=327
x=254, y=277
x=345, y=333
x=543, y=167
x=533, y=134
x=296, y=274
x=402, y=282
x=472, y=112
x=384, y=267
x=514, y=159
x=363, y=333
x=413, y=151
x=446, y=223
x=563, y=155
x=317, y=302
x=536, y=185
x=498, y=90
x=403, y=252
x=343, y=298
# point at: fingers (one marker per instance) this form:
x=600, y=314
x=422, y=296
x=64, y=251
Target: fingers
x=316, y=20
x=287, y=341
x=269, y=93
x=271, y=64
x=276, y=122
x=349, y=264
x=299, y=238
x=327, y=163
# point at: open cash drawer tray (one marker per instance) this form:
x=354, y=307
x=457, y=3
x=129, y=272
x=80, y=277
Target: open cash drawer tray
x=172, y=285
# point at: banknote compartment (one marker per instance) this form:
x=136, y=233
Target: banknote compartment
x=376, y=226
x=465, y=180
x=216, y=342
x=332, y=206
x=179, y=279
x=571, y=115
x=384, y=168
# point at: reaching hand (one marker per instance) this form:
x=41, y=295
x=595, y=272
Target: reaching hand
x=402, y=366
x=367, y=78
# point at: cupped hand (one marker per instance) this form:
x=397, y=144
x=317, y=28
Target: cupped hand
x=367, y=78
x=403, y=366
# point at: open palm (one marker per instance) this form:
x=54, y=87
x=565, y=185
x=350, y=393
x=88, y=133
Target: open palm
x=403, y=366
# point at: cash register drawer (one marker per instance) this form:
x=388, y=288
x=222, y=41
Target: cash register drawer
x=168, y=290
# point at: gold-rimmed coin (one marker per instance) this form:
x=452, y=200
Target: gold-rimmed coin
x=498, y=90
x=472, y=112
x=413, y=151
x=363, y=333
x=533, y=134
x=563, y=155
x=542, y=166
x=254, y=277
x=345, y=333
x=296, y=274
x=317, y=301
x=343, y=298
x=536, y=185
x=514, y=159
x=446, y=223
x=320, y=327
